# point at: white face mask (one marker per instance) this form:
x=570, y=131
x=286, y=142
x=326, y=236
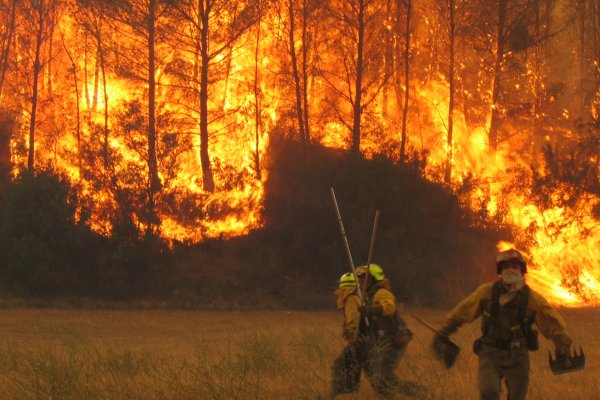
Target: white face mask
x=511, y=276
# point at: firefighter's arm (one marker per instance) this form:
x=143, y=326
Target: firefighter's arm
x=467, y=310
x=386, y=300
x=550, y=323
x=351, y=317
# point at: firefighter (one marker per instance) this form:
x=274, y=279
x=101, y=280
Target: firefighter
x=509, y=308
x=346, y=367
x=385, y=332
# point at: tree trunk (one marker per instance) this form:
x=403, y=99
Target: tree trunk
x=37, y=66
x=296, y=75
x=96, y=80
x=50, y=50
x=596, y=23
x=257, y=106
x=6, y=48
x=388, y=59
x=406, y=58
x=77, y=103
x=497, y=82
x=537, y=86
x=449, y=142
x=305, y=71
x=582, y=44
x=102, y=61
x=207, y=175
x=357, y=106
x=154, y=184
x=85, y=73
x=7, y=123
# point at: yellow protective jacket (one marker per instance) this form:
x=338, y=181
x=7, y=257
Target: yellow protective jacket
x=385, y=298
x=547, y=319
x=349, y=302
x=389, y=321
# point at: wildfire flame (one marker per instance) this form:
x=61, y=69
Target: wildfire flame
x=563, y=252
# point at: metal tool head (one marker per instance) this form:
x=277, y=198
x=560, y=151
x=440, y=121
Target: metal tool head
x=566, y=363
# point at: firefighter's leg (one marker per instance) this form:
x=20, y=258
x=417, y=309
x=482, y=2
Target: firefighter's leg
x=517, y=375
x=345, y=373
x=382, y=365
x=488, y=378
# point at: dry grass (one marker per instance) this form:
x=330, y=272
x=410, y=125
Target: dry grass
x=75, y=354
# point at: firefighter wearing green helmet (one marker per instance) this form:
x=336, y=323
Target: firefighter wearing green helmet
x=509, y=308
x=347, y=366
x=387, y=333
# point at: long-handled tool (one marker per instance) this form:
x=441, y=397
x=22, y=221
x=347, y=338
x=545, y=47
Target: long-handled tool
x=447, y=350
x=371, y=250
x=339, y=217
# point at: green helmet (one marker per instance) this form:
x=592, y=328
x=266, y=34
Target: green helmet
x=347, y=280
x=374, y=270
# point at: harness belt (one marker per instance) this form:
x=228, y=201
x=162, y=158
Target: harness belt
x=505, y=344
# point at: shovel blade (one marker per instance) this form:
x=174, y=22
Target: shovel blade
x=564, y=364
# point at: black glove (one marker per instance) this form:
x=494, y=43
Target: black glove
x=371, y=311
x=439, y=345
x=563, y=356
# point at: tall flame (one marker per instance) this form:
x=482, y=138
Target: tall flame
x=562, y=245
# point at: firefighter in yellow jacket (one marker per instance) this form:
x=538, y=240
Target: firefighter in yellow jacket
x=346, y=367
x=385, y=331
x=509, y=308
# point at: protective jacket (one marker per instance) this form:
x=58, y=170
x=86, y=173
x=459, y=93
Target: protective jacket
x=507, y=326
x=389, y=322
x=349, y=302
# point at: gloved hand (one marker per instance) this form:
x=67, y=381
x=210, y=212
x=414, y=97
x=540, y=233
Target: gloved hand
x=371, y=311
x=351, y=336
x=563, y=356
x=439, y=345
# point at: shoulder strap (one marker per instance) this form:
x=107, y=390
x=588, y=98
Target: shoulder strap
x=494, y=307
x=522, y=310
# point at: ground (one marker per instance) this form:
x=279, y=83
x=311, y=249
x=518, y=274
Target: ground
x=172, y=354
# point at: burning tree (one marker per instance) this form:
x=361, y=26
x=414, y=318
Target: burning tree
x=198, y=88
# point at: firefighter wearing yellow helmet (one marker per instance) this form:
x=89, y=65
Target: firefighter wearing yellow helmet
x=346, y=367
x=509, y=308
x=386, y=331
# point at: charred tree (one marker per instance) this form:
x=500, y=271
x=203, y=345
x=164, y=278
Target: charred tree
x=257, y=104
x=7, y=124
x=38, y=17
x=6, y=41
x=215, y=27
x=143, y=18
x=91, y=16
x=407, y=6
x=388, y=56
x=296, y=75
x=497, y=76
x=356, y=74
x=74, y=71
x=451, y=87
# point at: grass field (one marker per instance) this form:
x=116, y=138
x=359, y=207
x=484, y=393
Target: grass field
x=48, y=354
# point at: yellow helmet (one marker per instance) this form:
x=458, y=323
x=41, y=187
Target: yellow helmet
x=374, y=270
x=347, y=280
